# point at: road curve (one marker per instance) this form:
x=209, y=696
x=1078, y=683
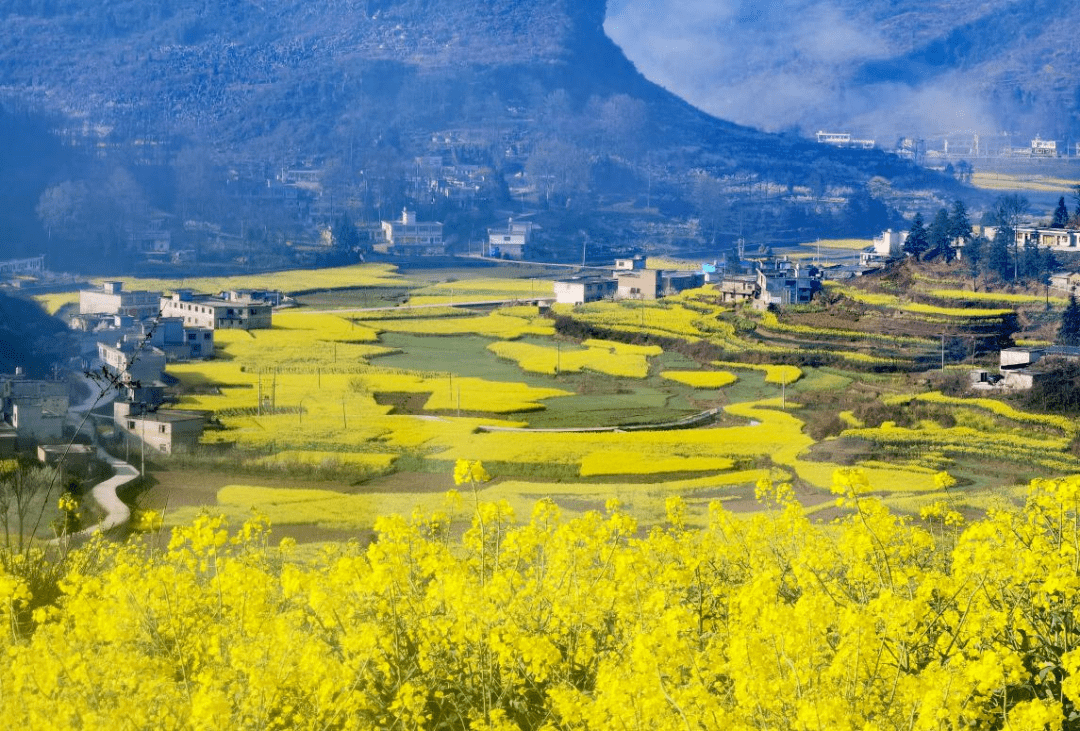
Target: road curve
x=116, y=512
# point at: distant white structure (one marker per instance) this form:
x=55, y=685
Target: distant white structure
x=230, y=311
x=1043, y=148
x=843, y=139
x=112, y=299
x=510, y=242
x=165, y=431
x=15, y=267
x=579, y=290
x=413, y=238
x=887, y=245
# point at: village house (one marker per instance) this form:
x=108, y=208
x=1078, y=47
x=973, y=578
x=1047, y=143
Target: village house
x=1020, y=368
x=782, y=282
x=72, y=457
x=737, y=288
x=132, y=362
x=636, y=281
x=408, y=237
x=165, y=431
x=36, y=409
x=18, y=267
x=1067, y=282
x=229, y=311
x=510, y=242
x=112, y=299
x=887, y=246
x=579, y=290
x=1047, y=238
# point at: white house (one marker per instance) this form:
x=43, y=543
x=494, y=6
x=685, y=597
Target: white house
x=410, y=237
x=510, y=242
x=579, y=290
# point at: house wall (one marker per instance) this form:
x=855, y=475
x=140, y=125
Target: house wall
x=160, y=433
x=1019, y=357
x=139, y=305
x=215, y=314
x=641, y=284
x=34, y=423
x=144, y=365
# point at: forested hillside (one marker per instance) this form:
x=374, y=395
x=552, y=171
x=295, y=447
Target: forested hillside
x=185, y=104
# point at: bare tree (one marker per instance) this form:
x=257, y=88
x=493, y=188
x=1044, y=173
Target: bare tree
x=23, y=486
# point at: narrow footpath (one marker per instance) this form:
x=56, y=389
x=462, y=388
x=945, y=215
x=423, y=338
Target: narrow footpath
x=116, y=512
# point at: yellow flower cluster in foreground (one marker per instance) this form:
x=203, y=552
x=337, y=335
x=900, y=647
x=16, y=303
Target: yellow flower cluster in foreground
x=762, y=621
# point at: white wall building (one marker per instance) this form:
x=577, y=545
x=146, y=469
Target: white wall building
x=216, y=313
x=112, y=299
x=407, y=236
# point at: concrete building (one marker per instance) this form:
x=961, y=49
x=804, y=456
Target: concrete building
x=1067, y=282
x=579, y=290
x=1047, y=238
x=1021, y=368
x=131, y=362
x=630, y=264
x=736, y=288
x=887, y=246
x=164, y=431
x=217, y=313
x=781, y=282
x=409, y=237
x=35, y=409
x=111, y=299
x=72, y=457
x=28, y=266
x=510, y=242
x=673, y=282
x=639, y=284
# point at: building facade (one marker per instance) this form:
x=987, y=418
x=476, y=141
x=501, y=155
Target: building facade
x=510, y=242
x=215, y=313
x=579, y=290
x=165, y=431
x=112, y=299
x=407, y=236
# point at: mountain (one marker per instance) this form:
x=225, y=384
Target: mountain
x=884, y=68
x=176, y=104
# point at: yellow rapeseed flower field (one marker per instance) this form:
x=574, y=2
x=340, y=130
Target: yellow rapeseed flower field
x=702, y=379
x=616, y=359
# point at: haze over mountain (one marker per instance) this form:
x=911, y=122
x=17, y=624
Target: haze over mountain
x=178, y=103
x=884, y=68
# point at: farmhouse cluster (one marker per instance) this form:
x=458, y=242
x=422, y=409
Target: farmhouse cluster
x=774, y=282
x=130, y=335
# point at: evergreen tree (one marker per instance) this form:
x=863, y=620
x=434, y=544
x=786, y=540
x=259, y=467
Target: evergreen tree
x=1069, y=332
x=959, y=224
x=917, y=241
x=974, y=254
x=344, y=233
x=939, y=237
x=1008, y=209
x=998, y=259
x=1061, y=214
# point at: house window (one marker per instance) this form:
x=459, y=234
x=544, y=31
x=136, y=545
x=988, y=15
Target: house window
x=131, y=425
x=161, y=428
